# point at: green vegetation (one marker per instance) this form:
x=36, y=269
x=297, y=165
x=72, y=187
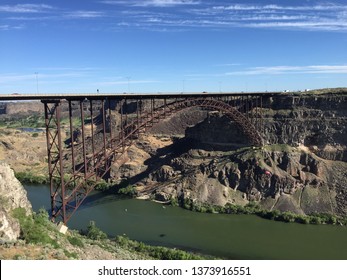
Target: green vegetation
x=94, y=233
x=30, y=178
x=128, y=191
x=70, y=255
x=156, y=252
x=102, y=185
x=255, y=209
x=123, y=188
x=33, y=121
x=34, y=228
x=75, y=241
x=76, y=122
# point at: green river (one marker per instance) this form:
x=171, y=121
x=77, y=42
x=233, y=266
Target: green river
x=224, y=236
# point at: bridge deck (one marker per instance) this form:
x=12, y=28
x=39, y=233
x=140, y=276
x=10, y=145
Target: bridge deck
x=158, y=95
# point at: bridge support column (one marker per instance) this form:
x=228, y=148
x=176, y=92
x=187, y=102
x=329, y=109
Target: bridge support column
x=55, y=159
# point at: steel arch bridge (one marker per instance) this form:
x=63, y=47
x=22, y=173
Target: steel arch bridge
x=91, y=160
x=107, y=127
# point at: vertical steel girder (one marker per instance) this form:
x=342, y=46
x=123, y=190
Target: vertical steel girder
x=74, y=170
x=55, y=158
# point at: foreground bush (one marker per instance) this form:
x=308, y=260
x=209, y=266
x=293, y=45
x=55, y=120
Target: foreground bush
x=94, y=233
x=34, y=227
x=156, y=252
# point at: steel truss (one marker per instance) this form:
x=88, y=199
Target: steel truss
x=97, y=138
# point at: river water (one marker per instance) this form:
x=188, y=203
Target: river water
x=224, y=236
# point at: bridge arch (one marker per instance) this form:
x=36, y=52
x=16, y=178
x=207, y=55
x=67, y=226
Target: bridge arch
x=169, y=109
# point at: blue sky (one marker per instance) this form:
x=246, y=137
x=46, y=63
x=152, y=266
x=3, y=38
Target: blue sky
x=171, y=45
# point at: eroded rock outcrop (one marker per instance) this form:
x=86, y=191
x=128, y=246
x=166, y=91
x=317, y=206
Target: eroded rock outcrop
x=283, y=178
x=12, y=195
x=303, y=169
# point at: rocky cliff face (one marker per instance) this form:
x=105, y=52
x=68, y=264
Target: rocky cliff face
x=23, y=108
x=12, y=195
x=277, y=177
x=318, y=122
x=303, y=170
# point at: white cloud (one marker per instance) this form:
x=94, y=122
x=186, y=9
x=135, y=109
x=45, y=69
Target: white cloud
x=10, y=78
x=153, y=3
x=280, y=70
x=84, y=14
x=189, y=14
x=6, y=27
x=331, y=25
x=25, y=8
x=125, y=82
x=246, y=7
x=165, y=3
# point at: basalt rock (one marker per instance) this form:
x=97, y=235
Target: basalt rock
x=12, y=195
x=282, y=177
x=303, y=169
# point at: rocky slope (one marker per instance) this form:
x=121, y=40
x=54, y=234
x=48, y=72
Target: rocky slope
x=24, y=151
x=12, y=196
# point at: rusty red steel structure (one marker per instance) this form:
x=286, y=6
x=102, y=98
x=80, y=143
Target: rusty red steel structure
x=99, y=135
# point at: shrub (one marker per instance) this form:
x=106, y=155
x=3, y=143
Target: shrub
x=288, y=217
x=71, y=255
x=102, y=185
x=156, y=252
x=315, y=220
x=174, y=201
x=75, y=241
x=34, y=229
x=128, y=191
x=94, y=233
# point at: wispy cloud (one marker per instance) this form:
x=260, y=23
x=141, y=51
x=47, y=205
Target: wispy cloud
x=188, y=14
x=153, y=3
x=6, y=27
x=330, y=16
x=178, y=15
x=12, y=77
x=126, y=82
x=281, y=70
x=247, y=7
x=227, y=64
x=25, y=8
x=165, y=3
x=84, y=14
